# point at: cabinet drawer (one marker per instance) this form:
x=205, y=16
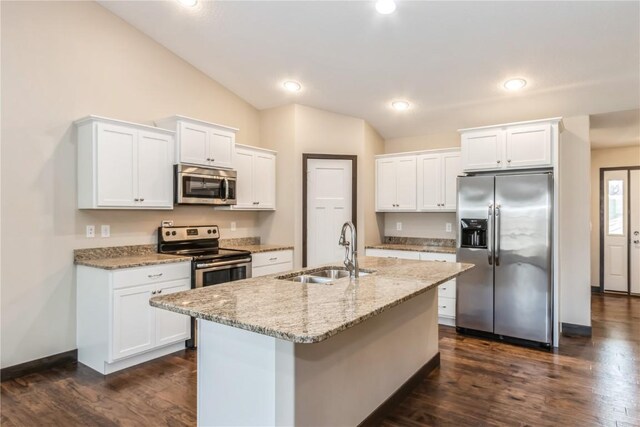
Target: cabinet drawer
x=446, y=307
x=270, y=258
x=266, y=270
x=151, y=274
x=431, y=256
x=386, y=253
x=447, y=289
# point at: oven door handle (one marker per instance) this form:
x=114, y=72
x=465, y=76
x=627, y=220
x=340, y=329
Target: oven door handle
x=224, y=263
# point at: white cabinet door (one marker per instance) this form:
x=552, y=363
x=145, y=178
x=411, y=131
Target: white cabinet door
x=406, y=183
x=117, y=165
x=429, y=182
x=194, y=143
x=451, y=168
x=171, y=327
x=482, y=150
x=221, y=147
x=133, y=321
x=264, y=180
x=243, y=164
x=155, y=169
x=528, y=146
x=386, y=184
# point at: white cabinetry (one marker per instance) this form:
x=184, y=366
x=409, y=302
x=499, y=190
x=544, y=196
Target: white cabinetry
x=266, y=263
x=116, y=326
x=396, y=183
x=201, y=143
x=124, y=165
x=256, y=185
x=446, y=291
x=437, y=186
x=520, y=145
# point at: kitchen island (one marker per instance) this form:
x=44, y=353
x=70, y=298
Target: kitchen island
x=277, y=352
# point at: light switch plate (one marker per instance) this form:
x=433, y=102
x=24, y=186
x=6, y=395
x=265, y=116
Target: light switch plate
x=91, y=231
x=398, y=226
x=448, y=227
x=105, y=230
x=233, y=226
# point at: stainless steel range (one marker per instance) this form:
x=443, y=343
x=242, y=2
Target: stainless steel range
x=210, y=265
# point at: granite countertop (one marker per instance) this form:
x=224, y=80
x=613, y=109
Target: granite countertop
x=116, y=257
x=413, y=248
x=309, y=313
x=254, y=249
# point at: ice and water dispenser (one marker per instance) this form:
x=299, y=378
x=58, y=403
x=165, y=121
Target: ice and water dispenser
x=473, y=233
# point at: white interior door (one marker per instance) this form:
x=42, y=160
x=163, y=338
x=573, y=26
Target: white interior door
x=634, y=249
x=616, y=190
x=328, y=207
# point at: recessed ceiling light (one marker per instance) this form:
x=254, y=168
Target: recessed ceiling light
x=292, y=86
x=400, y=105
x=385, y=7
x=515, y=84
x=188, y=3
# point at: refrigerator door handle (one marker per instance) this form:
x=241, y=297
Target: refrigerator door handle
x=489, y=235
x=497, y=241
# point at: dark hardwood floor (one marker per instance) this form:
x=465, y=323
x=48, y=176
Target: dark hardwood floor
x=590, y=381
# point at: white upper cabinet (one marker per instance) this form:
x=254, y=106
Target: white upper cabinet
x=520, y=145
x=437, y=185
x=396, y=183
x=201, y=143
x=256, y=181
x=124, y=165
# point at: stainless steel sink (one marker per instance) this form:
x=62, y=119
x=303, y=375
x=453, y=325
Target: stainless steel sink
x=326, y=275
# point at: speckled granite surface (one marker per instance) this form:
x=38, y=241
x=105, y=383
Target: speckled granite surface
x=251, y=244
x=414, y=248
x=309, y=313
x=115, y=257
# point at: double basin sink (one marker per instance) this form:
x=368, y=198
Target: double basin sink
x=325, y=275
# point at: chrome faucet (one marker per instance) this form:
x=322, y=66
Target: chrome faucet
x=350, y=250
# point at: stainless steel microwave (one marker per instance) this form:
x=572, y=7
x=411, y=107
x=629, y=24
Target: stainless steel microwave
x=195, y=185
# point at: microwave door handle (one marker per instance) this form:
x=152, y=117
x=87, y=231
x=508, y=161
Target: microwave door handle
x=497, y=234
x=226, y=188
x=489, y=235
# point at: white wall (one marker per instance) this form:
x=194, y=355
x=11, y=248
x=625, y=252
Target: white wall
x=62, y=61
x=574, y=176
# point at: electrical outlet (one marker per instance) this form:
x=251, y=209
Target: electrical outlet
x=233, y=226
x=91, y=231
x=448, y=227
x=398, y=226
x=105, y=230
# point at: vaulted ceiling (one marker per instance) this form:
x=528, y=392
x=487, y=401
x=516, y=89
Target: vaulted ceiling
x=449, y=59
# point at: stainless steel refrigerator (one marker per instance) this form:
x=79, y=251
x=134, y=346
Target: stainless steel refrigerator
x=506, y=231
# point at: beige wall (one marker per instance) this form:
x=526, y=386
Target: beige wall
x=604, y=158
x=62, y=61
x=374, y=222
x=574, y=168
x=424, y=224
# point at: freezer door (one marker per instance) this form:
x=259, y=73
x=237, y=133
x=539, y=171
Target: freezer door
x=523, y=256
x=474, y=290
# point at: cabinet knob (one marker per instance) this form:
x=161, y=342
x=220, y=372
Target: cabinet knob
x=509, y=161
x=213, y=160
x=153, y=292
x=136, y=200
x=499, y=161
x=142, y=200
x=160, y=291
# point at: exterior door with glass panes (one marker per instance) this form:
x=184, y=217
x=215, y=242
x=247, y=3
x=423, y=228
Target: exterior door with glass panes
x=615, y=231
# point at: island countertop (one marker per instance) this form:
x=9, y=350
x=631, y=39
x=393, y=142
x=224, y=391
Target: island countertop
x=310, y=313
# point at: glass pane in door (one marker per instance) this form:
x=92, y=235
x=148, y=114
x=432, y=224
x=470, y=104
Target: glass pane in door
x=615, y=217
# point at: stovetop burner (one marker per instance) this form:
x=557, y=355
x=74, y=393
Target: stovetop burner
x=200, y=242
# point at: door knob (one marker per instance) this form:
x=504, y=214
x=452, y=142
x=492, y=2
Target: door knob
x=635, y=233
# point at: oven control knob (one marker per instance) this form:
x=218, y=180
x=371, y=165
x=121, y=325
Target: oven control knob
x=173, y=233
x=168, y=233
x=209, y=231
x=214, y=231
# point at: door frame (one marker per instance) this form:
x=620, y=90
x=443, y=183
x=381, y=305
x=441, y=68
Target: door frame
x=602, y=171
x=354, y=192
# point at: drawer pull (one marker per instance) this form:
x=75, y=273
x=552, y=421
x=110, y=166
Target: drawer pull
x=275, y=258
x=442, y=306
x=154, y=276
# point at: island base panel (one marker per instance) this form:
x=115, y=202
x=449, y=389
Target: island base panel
x=245, y=378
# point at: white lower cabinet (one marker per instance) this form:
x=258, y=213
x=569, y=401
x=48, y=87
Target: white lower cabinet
x=116, y=326
x=266, y=263
x=446, y=291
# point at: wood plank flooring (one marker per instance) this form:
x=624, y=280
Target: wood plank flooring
x=589, y=382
